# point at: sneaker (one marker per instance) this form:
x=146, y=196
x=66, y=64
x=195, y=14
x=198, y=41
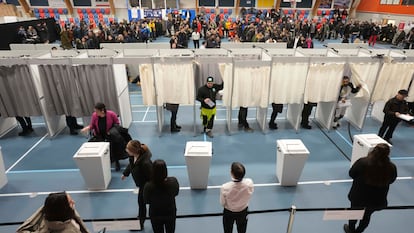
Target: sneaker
x=24, y=132
x=78, y=126
x=240, y=126
x=210, y=134
x=178, y=126
x=248, y=129
x=73, y=132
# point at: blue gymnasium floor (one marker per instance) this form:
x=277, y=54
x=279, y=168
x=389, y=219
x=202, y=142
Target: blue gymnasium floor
x=37, y=165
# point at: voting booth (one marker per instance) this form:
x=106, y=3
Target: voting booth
x=93, y=160
x=363, y=144
x=3, y=177
x=291, y=157
x=198, y=158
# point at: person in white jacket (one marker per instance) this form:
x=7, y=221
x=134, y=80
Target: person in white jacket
x=234, y=197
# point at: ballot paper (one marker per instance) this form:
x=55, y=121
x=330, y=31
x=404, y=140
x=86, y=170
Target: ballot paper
x=406, y=117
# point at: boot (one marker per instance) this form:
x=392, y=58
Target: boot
x=117, y=165
x=272, y=125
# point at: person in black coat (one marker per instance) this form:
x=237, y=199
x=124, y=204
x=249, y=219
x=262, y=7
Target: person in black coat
x=392, y=109
x=207, y=97
x=140, y=167
x=372, y=176
x=160, y=194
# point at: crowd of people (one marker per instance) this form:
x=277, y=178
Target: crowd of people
x=249, y=26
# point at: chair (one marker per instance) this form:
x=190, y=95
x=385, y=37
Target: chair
x=93, y=10
x=88, y=10
x=60, y=11
x=79, y=11
x=65, y=11
x=212, y=11
x=207, y=11
x=40, y=10
x=225, y=11
x=285, y=12
x=319, y=12
x=35, y=10
x=102, y=10
x=37, y=14
x=230, y=11
x=107, y=11
x=50, y=10
x=42, y=15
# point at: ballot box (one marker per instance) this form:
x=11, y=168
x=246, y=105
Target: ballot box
x=363, y=144
x=291, y=157
x=93, y=160
x=198, y=158
x=3, y=177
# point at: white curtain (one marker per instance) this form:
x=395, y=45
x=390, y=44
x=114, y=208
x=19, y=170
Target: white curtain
x=226, y=71
x=364, y=74
x=393, y=77
x=250, y=87
x=146, y=75
x=175, y=83
x=323, y=82
x=287, y=83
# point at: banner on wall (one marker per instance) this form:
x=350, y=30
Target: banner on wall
x=57, y=3
x=326, y=4
x=342, y=4
x=153, y=13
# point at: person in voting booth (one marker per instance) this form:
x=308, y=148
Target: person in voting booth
x=173, y=108
x=347, y=88
x=276, y=108
x=104, y=127
x=207, y=97
x=234, y=197
x=372, y=176
x=58, y=215
x=140, y=167
x=26, y=124
x=393, y=109
x=160, y=194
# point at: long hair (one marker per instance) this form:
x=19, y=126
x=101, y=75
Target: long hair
x=379, y=169
x=57, y=207
x=159, y=171
x=134, y=146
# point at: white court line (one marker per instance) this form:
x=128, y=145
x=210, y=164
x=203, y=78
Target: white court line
x=326, y=182
x=27, y=152
x=146, y=113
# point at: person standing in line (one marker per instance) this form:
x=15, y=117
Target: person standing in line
x=392, y=109
x=234, y=197
x=347, y=88
x=207, y=97
x=141, y=169
x=196, y=39
x=160, y=194
x=372, y=176
x=276, y=108
x=26, y=124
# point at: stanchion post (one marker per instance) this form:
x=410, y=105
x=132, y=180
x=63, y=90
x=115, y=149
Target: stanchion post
x=291, y=219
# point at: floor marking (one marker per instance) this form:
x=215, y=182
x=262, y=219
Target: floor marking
x=25, y=154
x=146, y=113
x=346, y=140
x=326, y=182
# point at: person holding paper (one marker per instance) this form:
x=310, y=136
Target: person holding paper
x=347, y=88
x=234, y=197
x=372, y=176
x=207, y=97
x=393, y=109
